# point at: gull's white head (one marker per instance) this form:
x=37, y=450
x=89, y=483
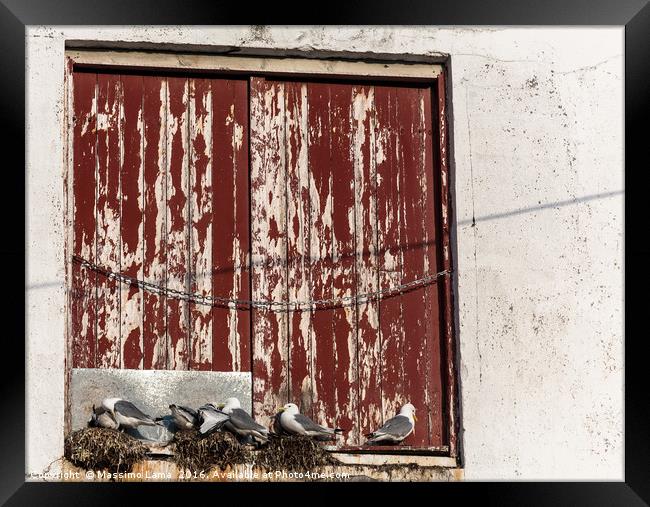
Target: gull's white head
x=290, y=408
x=409, y=411
x=230, y=405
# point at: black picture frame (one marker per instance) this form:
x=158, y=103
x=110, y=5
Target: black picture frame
x=15, y=15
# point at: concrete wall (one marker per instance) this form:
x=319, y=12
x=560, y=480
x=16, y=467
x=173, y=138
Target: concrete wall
x=538, y=159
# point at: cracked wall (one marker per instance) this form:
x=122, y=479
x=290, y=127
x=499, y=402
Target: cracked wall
x=537, y=132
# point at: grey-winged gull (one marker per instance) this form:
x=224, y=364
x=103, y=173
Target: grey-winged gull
x=185, y=418
x=126, y=414
x=395, y=429
x=295, y=423
x=241, y=423
x=210, y=418
x=102, y=418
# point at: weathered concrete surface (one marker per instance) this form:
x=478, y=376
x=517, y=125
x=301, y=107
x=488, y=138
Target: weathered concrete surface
x=537, y=124
x=152, y=391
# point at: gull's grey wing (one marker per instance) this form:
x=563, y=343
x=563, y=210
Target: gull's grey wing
x=211, y=419
x=397, y=426
x=128, y=409
x=310, y=425
x=188, y=412
x=240, y=419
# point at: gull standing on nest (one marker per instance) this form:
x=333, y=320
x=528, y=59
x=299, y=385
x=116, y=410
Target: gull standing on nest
x=126, y=414
x=241, y=423
x=295, y=423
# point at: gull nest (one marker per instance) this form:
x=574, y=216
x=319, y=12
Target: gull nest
x=103, y=449
x=296, y=452
x=196, y=453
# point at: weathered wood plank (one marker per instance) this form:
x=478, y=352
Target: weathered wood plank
x=431, y=265
x=320, y=249
x=414, y=252
x=344, y=318
x=389, y=260
x=268, y=247
x=231, y=323
x=298, y=242
x=363, y=153
x=83, y=301
x=131, y=297
x=446, y=261
x=109, y=153
x=201, y=240
x=154, y=220
x=178, y=352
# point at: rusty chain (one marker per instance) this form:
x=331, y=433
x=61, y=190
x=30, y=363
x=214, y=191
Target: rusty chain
x=288, y=306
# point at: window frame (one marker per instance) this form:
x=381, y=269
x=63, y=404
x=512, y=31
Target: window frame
x=354, y=66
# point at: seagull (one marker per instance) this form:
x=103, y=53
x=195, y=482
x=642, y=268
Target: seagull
x=395, y=429
x=210, y=418
x=241, y=423
x=295, y=423
x=185, y=418
x=102, y=418
x=126, y=414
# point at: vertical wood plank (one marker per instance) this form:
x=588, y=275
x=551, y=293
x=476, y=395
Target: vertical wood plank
x=344, y=318
x=389, y=260
x=320, y=188
x=154, y=220
x=432, y=317
x=131, y=297
x=298, y=239
x=268, y=247
x=200, y=118
x=414, y=253
x=230, y=253
x=445, y=288
x=178, y=352
x=83, y=301
x=109, y=155
x=370, y=409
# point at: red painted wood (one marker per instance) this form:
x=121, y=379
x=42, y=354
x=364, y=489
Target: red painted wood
x=268, y=246
x=231, y=324
x=201, y=239
x=389, y=249
x=154, y=221
x=321, y=175
x=414, y=251
x=131, y=220
x=109, y=94
x=344, y=319
x=178, y=352
x=445, y=213
x=363, y=139
x=83, y=302
x=434, y=392
x=298, y=243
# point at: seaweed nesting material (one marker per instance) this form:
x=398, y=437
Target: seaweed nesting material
x=103, y=449
x=196, y=453
x=293, y=453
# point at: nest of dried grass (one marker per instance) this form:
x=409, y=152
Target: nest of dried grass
x=296, y=452
x=103, y=449
x=196, y=453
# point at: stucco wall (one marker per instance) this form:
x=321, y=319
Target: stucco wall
x=538, y=161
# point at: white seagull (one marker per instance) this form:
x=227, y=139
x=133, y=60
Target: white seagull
x=295, y=423
x=395, y=429
x=241, y=423
x=185, y=418
x=210, y=418
x=126, y=414
x=102, y=418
